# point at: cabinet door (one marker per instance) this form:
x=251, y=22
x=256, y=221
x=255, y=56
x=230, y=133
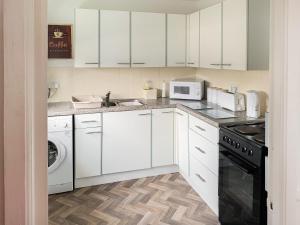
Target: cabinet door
x=126, y=141
x=193, y=39
x=182, y=144
x=88, y=152
x=148, y=39
x=211, y=37
x=114, y=39
x=176, y=35
x=162, y=137
x=235, y=34
x=86, y=38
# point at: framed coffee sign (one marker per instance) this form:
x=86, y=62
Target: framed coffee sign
x=59, y=41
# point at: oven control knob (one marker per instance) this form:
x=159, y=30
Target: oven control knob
x=229, y=140
x=237, y=145
x=250, y=153
x=244, y=149
x=225, y=138
x=233, y=143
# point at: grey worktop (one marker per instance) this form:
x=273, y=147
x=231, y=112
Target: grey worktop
x=66, y=108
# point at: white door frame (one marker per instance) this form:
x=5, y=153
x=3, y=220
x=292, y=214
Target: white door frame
x=285, y=111
x=24, y=56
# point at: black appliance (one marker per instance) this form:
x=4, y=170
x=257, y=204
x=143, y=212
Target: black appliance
x=242, y=195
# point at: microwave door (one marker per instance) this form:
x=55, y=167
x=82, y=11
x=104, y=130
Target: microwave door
x=182, y=90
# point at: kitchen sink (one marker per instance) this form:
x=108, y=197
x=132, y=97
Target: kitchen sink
x=130, y=103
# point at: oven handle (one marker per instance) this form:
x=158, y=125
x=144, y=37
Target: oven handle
x=240, y=164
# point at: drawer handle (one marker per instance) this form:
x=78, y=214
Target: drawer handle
x=145, y=114
x=200, y=128
x=180, y=114
x=120, y=63
x=138, y=63
x=226, y=64
x=91, y=63
x=191, y=63
x=215, y=64
x=168, y=112
x=180, y=63
x=94, y=132
x=201, y=178
x=200, y=150
x=90, y=121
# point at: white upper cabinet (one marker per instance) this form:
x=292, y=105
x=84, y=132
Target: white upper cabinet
x=114, y=38
x=193, y=36
x=86, y=38
x=176, y=39
x=235, y=14
x=211, y=37
x=148, y=39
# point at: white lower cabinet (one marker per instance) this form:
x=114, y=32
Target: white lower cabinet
x=162, y=137
x=182, y=140
x=88, y=142
x=126, y=141
x=205, y=182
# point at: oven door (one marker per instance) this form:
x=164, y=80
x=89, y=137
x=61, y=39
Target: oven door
x=240, y=191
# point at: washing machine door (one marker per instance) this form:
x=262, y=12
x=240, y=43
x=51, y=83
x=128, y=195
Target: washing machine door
x=57, y=153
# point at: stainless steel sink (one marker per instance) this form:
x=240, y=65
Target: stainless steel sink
x=133, y=102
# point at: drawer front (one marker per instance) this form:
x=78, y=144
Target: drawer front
x=205, y=183
x=204, y=151
x=88, y=120
x=208, y=131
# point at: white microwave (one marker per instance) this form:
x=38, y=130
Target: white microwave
x=188, y=89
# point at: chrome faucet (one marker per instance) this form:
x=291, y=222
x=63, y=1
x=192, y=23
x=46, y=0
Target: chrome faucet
x=107, y=99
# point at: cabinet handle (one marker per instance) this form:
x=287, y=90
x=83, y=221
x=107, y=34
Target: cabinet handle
x=200, y=150
x=91, y=63
x=94, y=132
x=200, y=128
x=226, y=64
x=168, y=112
x=145, y=114
x=123, y=63
x=178, y=113
x=90, y=121
x=191, y=63
x=215, y=64
x=201, y=178
x=139, y=63
x=180, y=63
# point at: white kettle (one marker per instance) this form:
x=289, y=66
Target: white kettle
x=254, y=107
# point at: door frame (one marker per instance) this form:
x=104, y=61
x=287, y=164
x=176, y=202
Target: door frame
x=285, y=110
x=24, y=107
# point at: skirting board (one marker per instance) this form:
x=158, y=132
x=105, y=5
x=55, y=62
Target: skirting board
x=111, y=178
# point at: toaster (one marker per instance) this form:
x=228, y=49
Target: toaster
x=232, y=101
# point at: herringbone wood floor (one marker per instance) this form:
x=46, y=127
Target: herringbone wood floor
x=161, y=200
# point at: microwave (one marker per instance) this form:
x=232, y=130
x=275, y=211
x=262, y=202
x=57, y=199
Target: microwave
x=188, y=89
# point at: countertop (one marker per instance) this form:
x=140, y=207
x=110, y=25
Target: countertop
x=66, y=108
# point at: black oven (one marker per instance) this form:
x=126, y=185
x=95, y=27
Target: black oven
x=242, y=198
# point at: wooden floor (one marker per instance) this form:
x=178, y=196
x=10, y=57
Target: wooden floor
x=161, y=200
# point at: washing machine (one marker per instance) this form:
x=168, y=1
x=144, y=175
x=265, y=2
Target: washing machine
x=60, y=154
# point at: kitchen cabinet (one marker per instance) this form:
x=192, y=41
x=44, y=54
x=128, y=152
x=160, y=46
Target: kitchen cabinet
x=86, y=38
x=176, y=40
x=235, y=34
x=193, y=39
x=182, y=141
x=88, y=141
x=148, y=39
x=162, y=137
x=211, y=37
x=114, y=38
x=126, y=141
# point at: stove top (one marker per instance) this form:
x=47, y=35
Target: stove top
x=246, y=139
x=253, y=131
